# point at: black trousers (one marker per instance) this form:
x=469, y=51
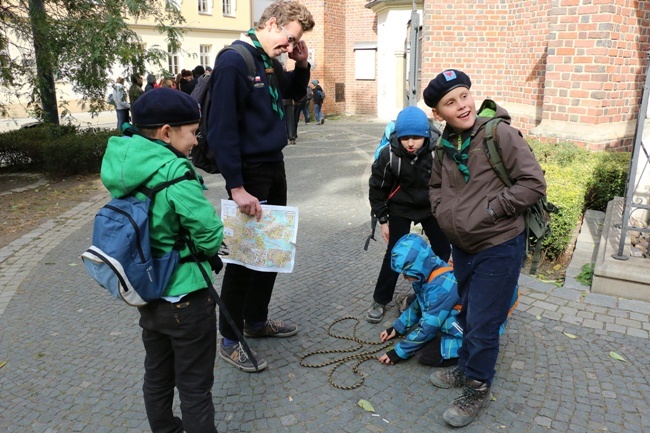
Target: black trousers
x=246, y=293
x=398, y=227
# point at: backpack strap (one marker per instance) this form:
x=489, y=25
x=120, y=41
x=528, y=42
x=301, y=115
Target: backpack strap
x=439, y=271
x=493, y=152
x=150, y=192
x=245, y=53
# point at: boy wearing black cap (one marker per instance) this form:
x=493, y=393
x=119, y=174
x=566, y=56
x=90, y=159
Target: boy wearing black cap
x=178, y=330
x=483, y=219
x=399, y=197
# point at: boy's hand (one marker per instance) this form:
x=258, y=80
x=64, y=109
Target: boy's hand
x=247, y=203
x=384, y=359
x=385, y=232
x=387, y=334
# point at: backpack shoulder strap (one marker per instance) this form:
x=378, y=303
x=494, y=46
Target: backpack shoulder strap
x=437, y=272
x=493, y=151
x=245, y=53
x=150, y=192
x=394, y=161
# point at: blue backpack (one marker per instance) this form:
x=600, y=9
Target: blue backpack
x=120, y=259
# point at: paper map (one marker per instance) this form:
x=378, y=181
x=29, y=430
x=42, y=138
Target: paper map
x=265, y=245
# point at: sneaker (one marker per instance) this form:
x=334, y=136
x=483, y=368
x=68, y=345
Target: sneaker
x=464, y=409
x=449, y=378
x=322, y=121
x=272, y=328
x=376, y=312
x=236, y=355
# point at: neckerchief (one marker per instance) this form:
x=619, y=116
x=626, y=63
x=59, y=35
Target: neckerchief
x=270, y=73
x=458, y=153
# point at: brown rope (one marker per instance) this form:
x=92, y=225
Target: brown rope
x=360, y=357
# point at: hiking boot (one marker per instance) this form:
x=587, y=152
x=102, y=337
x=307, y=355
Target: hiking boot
x=236, y=355
x=449, y=378
x=464, y=409
x=271, y=328
x=376, y=312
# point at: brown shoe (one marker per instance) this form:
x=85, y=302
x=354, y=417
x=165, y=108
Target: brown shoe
x=272, y=328
x=464, y=409
x=449, y=378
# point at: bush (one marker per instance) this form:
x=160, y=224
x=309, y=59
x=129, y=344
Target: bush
x=608, y=179
x=56, y=150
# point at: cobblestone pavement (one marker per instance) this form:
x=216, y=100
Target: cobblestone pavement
x=74, y=356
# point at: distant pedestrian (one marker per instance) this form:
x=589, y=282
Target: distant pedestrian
x=303, y=107
x=122, y=106
x=135, y=91
x=151, y=82
x=319, y=98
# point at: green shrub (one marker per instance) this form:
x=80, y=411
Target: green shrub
x=608, y=179
x=80, y=153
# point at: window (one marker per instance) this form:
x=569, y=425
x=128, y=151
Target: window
x=365, y=54
x=229, y=7
x=172, y=60
x=204, y=55
x=205, y=6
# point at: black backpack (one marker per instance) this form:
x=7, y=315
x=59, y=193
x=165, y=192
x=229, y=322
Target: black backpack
x=202, y=156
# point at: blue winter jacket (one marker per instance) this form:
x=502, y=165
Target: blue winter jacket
x=433, y=309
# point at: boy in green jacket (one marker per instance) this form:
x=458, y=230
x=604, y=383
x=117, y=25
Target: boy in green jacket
x=179, y=330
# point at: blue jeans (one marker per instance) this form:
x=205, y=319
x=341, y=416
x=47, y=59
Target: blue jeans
x=486, y=283
x=398, y=227
x=318, y=114
x=180, y=341
x=122, y=117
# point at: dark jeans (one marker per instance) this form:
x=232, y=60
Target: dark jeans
x=304, y=109
x=486, y=284
x=398, y=227
x=290, y=122
x=180, y=341
x=246, y=292
x=122, y=117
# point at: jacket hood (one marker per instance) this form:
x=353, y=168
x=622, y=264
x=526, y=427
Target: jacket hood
x=413, y=256
x=130, y=162
x=488, y=111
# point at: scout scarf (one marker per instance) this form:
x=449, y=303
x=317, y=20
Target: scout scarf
x=273, y=80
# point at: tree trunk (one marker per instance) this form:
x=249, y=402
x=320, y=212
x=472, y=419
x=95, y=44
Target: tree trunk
x=44, y=74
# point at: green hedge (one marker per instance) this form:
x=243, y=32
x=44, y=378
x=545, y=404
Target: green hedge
x=577, y=180
x=57, y=151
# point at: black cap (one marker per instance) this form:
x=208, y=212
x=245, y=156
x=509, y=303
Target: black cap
x=165, y=106
x=443, y=84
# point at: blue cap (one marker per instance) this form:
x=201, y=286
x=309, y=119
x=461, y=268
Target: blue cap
x=412, y=122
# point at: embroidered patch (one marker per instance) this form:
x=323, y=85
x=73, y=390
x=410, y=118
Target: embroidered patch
x=449, y=75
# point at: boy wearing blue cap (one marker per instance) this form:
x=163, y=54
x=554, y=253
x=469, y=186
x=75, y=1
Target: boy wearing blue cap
x=483, y=219
x=399, y=197
x=179, y=330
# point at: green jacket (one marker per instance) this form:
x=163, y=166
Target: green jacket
x=130, y=162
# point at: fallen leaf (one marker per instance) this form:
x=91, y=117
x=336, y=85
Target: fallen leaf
x=365, y=404
x=538, y=317
x=493, y=398
x=3, y=363
x=570, y=335
x=72, y=264
x=617, y=356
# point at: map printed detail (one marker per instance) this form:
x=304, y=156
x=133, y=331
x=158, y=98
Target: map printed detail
x=267, y=245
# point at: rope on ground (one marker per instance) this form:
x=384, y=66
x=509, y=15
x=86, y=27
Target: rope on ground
x=360, y=357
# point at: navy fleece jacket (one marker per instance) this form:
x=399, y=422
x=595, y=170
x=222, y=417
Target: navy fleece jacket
x=243, y=128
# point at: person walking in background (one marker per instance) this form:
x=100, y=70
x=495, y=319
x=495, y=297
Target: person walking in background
x=151, y=82
x=290, y=117
x=303, y=107
x=121, y=104
x=247, y=133
x=135, y=91
x=399, y=196
x=319, y=97
x=484, y=221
